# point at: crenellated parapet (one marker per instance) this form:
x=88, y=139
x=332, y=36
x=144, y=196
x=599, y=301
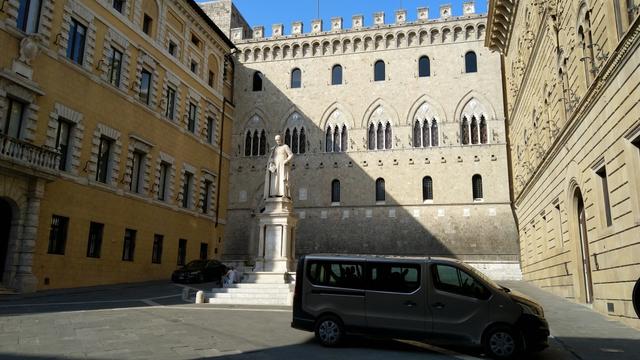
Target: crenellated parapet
x=380, y=36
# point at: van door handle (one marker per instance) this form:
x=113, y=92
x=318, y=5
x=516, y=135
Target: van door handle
x=409, y=304
x=438, y=305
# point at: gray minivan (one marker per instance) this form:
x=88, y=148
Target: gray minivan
x=439, y=300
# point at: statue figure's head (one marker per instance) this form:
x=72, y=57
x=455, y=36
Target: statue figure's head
x=278, y=140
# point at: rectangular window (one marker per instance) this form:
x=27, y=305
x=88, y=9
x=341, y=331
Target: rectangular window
x=210, y=129
x=164, y=181
x=13, y=122
x=104, y=155
x=170, y=111
x=211, y=78
x=95, y=239
x=62, y=142
x=602, y=174
x=29, y=15
x=194, y=67
x=118, y=5
x=115, y=67
x=156, y=255
x=145, y=86
x=182, y=252
x=204, y=251
x=193, y=113
x=206, y=203
x=173, y=48
x=195, y=41
x=147, y=24
x=393, y=277
x=129, y=245
x=137, y=172
x=58, y=234
x=186, y=190
x=343, y=274
x=77, y=37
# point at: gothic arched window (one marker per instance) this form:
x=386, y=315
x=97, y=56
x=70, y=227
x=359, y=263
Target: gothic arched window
x=477, y=187
x=464, y=132
x=434, y=133
x=256, y=144
x=427, y=188
x=470, y=62
x=425, y=134
x=417, y=134
x=247, y=144
x=372, y=137
x=379, y=71
x=303, y=141
x=380, y=192
x=474, y=130
x=257, y=81
x=295, y=142
x=387, y=136
x=296, y=78
x=424, y=66
x=287, y=137
x=328, y=140
x=344, y=138
x=380, y=137
x=295, y=137
x=336, y=139
x=483, y=130
x=335, y=191
x=336, y=75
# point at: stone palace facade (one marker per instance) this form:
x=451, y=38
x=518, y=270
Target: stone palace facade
x=398, y=132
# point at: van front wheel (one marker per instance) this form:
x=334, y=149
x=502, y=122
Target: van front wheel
x=329, y=330
x=501, y=342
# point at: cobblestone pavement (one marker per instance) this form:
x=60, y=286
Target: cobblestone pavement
x=144, y=321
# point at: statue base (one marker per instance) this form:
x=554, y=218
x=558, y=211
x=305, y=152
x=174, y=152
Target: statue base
x=276, y=246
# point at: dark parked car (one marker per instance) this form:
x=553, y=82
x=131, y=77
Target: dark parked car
x=200, y=271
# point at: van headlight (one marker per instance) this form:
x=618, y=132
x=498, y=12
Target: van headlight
x=531, y=309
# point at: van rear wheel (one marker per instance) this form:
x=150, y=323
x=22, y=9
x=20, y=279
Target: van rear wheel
x=329, y=331
x=502, y=342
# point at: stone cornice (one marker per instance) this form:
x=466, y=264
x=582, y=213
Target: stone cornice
x=626, y=48
x=499, y=24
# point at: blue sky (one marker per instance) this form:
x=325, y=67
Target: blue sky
x=268, y=12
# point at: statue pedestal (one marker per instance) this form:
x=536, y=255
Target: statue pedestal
x=276, y=245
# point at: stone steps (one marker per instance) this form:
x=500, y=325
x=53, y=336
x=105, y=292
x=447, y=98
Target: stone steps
x=265, y=292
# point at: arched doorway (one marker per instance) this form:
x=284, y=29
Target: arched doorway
x=5, y=230
x=585, y=264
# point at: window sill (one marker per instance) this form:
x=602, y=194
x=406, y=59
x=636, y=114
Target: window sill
x=427, y=201
x=381, y=203
x=335, y=203
x=478, y=200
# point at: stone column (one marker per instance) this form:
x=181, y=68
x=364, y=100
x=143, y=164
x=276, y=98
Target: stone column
x=25, y=281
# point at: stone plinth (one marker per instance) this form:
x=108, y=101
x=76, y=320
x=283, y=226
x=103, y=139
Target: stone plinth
x=276, y=244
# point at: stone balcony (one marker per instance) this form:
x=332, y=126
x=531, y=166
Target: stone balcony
x=28, y=158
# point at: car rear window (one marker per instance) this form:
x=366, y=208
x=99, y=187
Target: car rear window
x=342, y=274
x=393, y=277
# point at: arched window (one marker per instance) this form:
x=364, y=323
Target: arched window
x=483, y=130
x=378, y=71
x=477, y=187
x=257, y=81
x=263, y=143
x=474, y=130
x=303, y=141
x=256, y=144
x=295, y=137
x=417, y=135
x=295, y=140
x=435, y=140
x=247, y=144
x=464, y=131
x=335, y=191
x=296, y=78
x=336, y=139
x=344, y=138
x=287, y=137
x=329, y=141
x=372, y=137
x=424, y=66
x=425, y=133
x=586, y=42
x=336, y=75
x=427, y=188
x=380, y=193
x=387, y=136
x=380, y=137
x=470, y=62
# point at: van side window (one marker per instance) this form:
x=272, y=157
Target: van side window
x=336, y=273
x=400, y=278
x=453, y=280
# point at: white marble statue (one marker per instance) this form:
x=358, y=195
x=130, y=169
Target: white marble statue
x=276, y=179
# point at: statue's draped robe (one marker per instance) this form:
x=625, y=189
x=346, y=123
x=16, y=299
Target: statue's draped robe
x=277, y=175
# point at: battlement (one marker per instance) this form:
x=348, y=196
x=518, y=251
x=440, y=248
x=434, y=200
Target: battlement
x=239, y=34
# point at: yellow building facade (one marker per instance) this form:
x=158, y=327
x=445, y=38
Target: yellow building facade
x=115, y=129
x=571, y=77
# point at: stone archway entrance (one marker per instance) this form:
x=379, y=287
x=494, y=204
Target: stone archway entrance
x=584, y=260
x=6, y=217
